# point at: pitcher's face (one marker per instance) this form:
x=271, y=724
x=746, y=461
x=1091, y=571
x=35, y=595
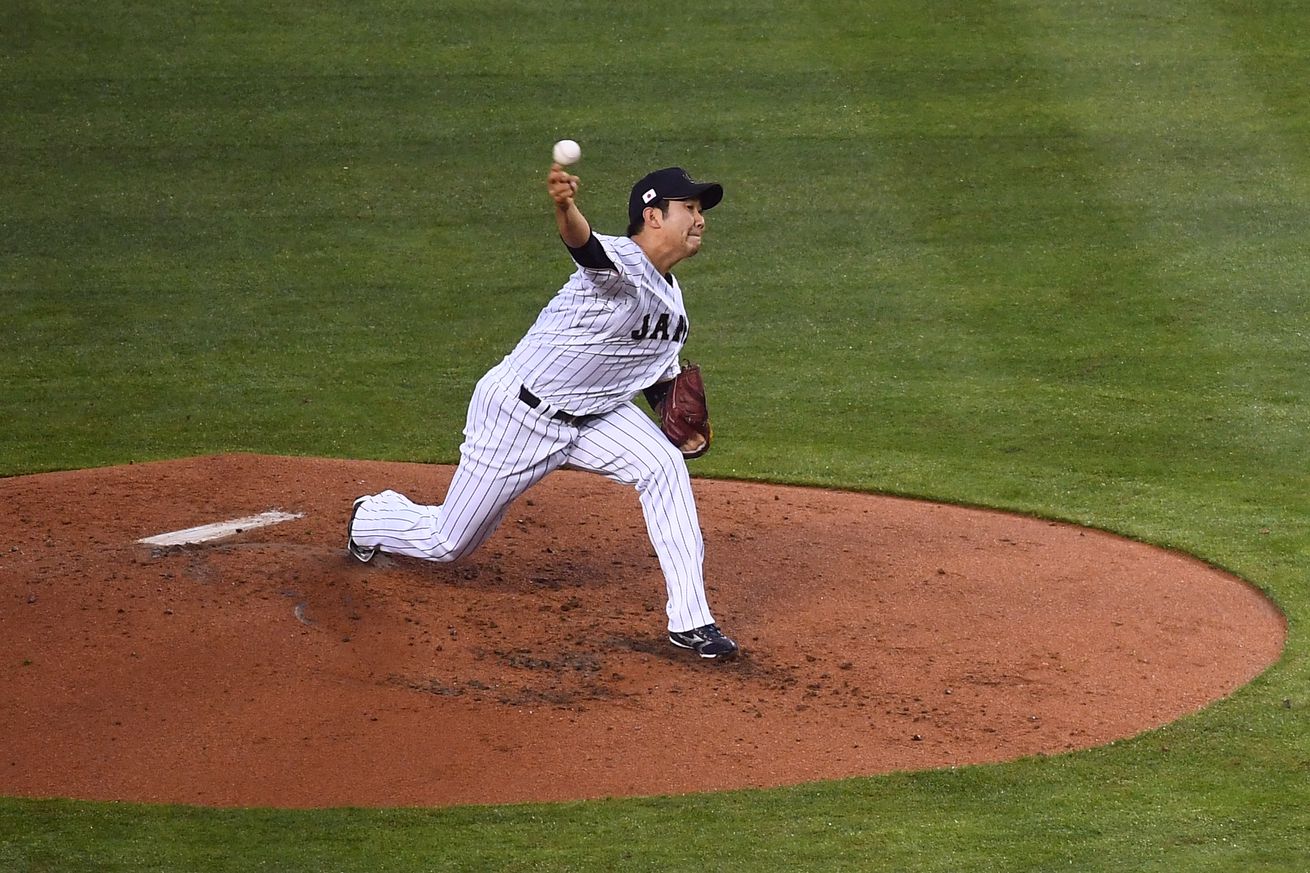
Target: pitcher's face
x=684, y=225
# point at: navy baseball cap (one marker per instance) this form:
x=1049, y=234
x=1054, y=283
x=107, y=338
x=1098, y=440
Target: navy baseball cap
x=671, y=183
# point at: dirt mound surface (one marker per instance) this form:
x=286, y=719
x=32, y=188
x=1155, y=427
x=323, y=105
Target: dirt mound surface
x=268, y=668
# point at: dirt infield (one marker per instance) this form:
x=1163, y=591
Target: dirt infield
x=270, y=669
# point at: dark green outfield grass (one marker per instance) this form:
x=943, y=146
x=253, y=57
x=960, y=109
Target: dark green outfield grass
x=1041, y=256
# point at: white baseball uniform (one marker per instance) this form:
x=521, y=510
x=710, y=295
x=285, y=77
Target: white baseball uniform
x=564, y=395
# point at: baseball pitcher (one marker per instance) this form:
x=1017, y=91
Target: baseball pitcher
x=564, y=395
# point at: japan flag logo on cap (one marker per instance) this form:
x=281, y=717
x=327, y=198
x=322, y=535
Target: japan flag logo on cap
x=649, y=195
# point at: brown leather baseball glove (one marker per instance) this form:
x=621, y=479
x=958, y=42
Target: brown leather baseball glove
x=680, y=406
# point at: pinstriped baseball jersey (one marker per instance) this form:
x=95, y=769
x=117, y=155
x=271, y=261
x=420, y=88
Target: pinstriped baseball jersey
x=607, y=334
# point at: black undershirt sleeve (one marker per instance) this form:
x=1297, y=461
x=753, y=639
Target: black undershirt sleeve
x=591, y=255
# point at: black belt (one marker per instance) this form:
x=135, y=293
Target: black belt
x=568, y=418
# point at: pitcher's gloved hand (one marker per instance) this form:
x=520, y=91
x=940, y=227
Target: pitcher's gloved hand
x=680, y=406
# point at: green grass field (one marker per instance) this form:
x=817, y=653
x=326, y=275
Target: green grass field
x=1041, y=256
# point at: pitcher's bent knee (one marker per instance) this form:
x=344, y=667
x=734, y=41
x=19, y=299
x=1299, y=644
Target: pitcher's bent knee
x=663, y=464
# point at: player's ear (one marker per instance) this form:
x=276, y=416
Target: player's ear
x=652, y=216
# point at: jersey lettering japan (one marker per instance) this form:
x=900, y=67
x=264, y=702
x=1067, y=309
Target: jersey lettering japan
x=607, y=334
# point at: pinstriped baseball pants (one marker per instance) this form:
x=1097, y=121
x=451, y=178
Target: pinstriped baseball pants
x=508, y=447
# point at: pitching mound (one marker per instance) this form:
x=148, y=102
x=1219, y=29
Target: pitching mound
x=269, y=668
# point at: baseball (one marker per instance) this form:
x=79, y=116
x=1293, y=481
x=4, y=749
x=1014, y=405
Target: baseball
x=567, y=152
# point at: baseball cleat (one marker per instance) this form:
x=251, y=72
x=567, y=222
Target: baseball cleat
x=707, y=641
x=363, y=553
